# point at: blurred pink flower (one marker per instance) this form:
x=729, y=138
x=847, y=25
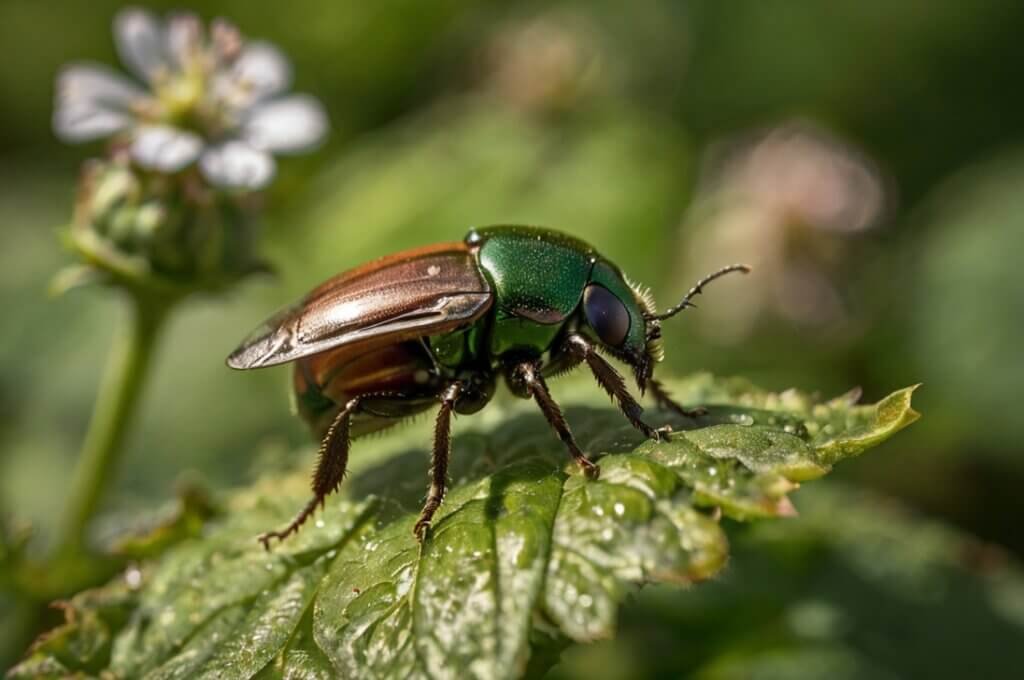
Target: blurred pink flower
x=545, y=63
x=798, y=173
x=209, y=98
x=783, y=201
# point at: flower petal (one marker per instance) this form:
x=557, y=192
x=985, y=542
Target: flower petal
x=182, y=39
x=96, y=82
x=291, y=124
x=225, y=39
x=261, y=70
x=140, y=43
x=92, y=102
x=85, y=124
x=165, y=148
x=234, y=164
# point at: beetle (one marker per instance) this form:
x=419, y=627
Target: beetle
x=436, y=326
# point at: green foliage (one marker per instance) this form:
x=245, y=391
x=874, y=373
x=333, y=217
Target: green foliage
x=467, y=163
x=856, y=587
x=524, y=554
x=976, y=220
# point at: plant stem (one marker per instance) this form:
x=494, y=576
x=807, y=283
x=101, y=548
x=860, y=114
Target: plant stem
x=118, y=398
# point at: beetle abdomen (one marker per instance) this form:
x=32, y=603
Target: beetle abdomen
x=402, y=373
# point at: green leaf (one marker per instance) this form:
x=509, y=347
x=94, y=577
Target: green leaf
x=858, y=586
x=185, y=519
x=525, y=551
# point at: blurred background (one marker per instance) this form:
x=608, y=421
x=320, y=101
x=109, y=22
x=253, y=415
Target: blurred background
x=865, y=157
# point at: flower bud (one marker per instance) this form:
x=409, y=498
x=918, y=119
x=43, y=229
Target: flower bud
x=171, y=234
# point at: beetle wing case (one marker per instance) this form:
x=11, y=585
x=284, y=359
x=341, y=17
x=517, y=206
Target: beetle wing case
x=410, y=294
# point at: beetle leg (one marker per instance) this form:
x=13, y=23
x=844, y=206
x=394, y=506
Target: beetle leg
x=530, y=377
x=612, y=383
x=665, y=401
x=330, y=469
x=439, y=460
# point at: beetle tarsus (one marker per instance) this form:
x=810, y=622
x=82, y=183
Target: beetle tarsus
x=420, y=529
x=589, y=468
x=439, y=460
x=330, y=470
x=665, y=401
x=293, y=528
x=612, y=383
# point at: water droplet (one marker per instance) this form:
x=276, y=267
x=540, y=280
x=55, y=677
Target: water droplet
x=620, y=509
x=712, y=471
x=133, y=577
x=607, y=535
x=319, y=524
x=599, y=511
x=269, y=566
x=331, y=554
x=744, y=419
x=586, y=601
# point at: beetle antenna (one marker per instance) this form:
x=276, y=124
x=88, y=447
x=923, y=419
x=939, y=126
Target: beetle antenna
x=698, y=289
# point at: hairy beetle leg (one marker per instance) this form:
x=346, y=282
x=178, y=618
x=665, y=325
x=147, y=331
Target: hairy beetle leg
x=439, y=460
x=537, y=388
x=266, y=537
x=330, y=470
x=580, y=349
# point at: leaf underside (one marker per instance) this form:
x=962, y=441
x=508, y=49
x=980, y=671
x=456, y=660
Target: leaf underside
x=523, y=546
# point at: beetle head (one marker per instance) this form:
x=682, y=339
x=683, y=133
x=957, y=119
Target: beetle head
x=621, y=315
x=615, y=311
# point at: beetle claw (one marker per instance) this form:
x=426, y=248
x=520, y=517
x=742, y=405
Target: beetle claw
x=590, y=469
x=267, y=536
x=663, y=434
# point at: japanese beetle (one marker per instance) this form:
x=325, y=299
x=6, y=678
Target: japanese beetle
x=435, y=327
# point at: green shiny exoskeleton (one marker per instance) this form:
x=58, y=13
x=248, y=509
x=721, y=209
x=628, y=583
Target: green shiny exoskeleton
x=539, y=277
x=437, y=326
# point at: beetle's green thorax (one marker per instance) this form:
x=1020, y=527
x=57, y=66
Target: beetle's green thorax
x=537, y=276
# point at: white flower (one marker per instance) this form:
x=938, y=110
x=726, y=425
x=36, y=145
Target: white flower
x=209, y=98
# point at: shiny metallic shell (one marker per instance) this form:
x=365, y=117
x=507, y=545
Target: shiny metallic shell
x=410, y=294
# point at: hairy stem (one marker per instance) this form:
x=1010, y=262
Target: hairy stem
x=116, y=403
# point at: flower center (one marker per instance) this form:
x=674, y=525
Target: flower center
x=180, y=95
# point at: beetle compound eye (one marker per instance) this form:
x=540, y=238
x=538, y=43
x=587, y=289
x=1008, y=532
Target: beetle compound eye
x=606, y=315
